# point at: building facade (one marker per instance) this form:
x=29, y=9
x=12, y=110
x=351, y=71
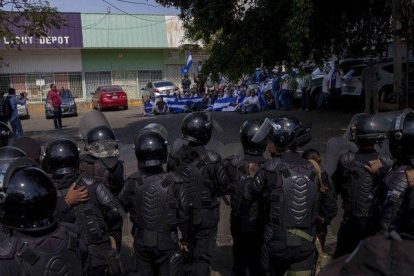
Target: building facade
x=97, y=49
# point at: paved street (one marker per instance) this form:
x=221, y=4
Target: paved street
x=128, y=123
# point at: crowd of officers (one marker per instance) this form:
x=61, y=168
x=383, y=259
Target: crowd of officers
x=65, y=216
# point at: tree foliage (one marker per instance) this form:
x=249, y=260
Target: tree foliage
x=241, y=35
x=33, y=18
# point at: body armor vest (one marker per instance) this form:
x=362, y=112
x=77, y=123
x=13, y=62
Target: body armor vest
x=89, y=216
x=397, y=184
x=156, y=205
x=360, y=190
x=101, y=169
x=242, y=209
x=55, y=255
x=200, y=189
x=294, y=203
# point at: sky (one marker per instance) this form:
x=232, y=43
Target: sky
x=99, y=6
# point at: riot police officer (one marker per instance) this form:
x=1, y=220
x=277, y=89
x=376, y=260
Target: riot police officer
x=102, y=159
x=206, y=180
x=397, y=211
x=93, y=208
x=5, y=134
x=357, y=186
x=157, y=203
x=7, y=154
x=292, y=198
x=37, y=246
x=246, y=225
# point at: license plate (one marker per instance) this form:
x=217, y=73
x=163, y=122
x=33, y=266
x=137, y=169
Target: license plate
x=351, y=89
x=114, y=97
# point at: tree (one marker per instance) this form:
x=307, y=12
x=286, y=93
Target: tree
x=240, y=35
x=33, y=18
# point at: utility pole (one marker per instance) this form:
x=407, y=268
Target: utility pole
x=397, y=48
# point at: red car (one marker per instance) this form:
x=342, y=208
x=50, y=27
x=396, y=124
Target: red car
x=109, y=96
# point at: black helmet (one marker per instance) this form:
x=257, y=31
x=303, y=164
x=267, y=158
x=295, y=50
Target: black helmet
x=101, y=142
x=370, y=128
x=285, y=132
x=9, y=153
x=197, y=127
x=150, y=149
x=401, y=136
x=27, y=196
x=247, y=131
x=61, y=156
x=5, y=134
x=158, y=128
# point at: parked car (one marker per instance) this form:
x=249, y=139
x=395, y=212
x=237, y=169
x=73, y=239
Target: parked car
x=156, y=88
x=68, y=105
x=109, y=96
x=352, y=86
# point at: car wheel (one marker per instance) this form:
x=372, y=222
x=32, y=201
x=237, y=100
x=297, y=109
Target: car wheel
x=126, y=107
x=99, y=108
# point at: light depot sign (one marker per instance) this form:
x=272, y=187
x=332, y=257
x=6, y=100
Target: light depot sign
x=69, y=35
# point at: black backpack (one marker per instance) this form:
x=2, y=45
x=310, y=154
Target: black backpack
x=7, y=108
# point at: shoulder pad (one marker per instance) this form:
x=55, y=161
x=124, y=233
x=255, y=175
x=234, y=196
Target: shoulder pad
x=397, y=181
x=237, y=160
x=213, y=156
x=271, y=165
x=346, y=159
x=386, y=159
x=176, y=177
x=70, y=227
x=135, y=175
x=7, y=248
x=89, y=180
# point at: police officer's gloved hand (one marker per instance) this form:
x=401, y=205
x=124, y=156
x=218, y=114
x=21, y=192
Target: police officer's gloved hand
x=183, y=245
x=75, y=196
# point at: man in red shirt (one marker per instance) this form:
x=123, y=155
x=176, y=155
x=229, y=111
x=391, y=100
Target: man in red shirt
x=55, y=101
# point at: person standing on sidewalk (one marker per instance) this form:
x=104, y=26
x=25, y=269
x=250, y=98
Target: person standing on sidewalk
x=335, y=77
x=14, y=120
x=306, y=89
x=369, y=79
x=276, y=89
x=55, y=101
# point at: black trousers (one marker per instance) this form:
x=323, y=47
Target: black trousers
x=205, y=236
x=57, y=117
x=246, y=250
x=282, y=252
x=352, y=231
x=306, y=99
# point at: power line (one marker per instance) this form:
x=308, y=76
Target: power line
x=132, y=15
x=136, y=3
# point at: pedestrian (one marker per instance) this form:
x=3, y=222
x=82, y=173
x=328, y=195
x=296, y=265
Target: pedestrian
x=2, y=117
x=37, y=245
x=369, y=79
x=14, y=120
x=324, y=97
x=185, y=84
x=291, y=198
x=306, y=89
x=335, y=77
x=157, y=203
x=276, y=89
x=245, y=222
x=147, y=108
x=250, y=104
x=86, y=202
x=287, y=90
x=270, y=100
x=160, y=107
x=56, y=102
x=206, y=180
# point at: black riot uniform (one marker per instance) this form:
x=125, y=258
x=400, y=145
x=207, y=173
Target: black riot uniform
x=206, y=180
x=102, y=162
x=246, y=224
x=359, y=188
x=157, y=204
x=37, y=246
x=398, y=207
x=289, y=189
x=61, y=160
